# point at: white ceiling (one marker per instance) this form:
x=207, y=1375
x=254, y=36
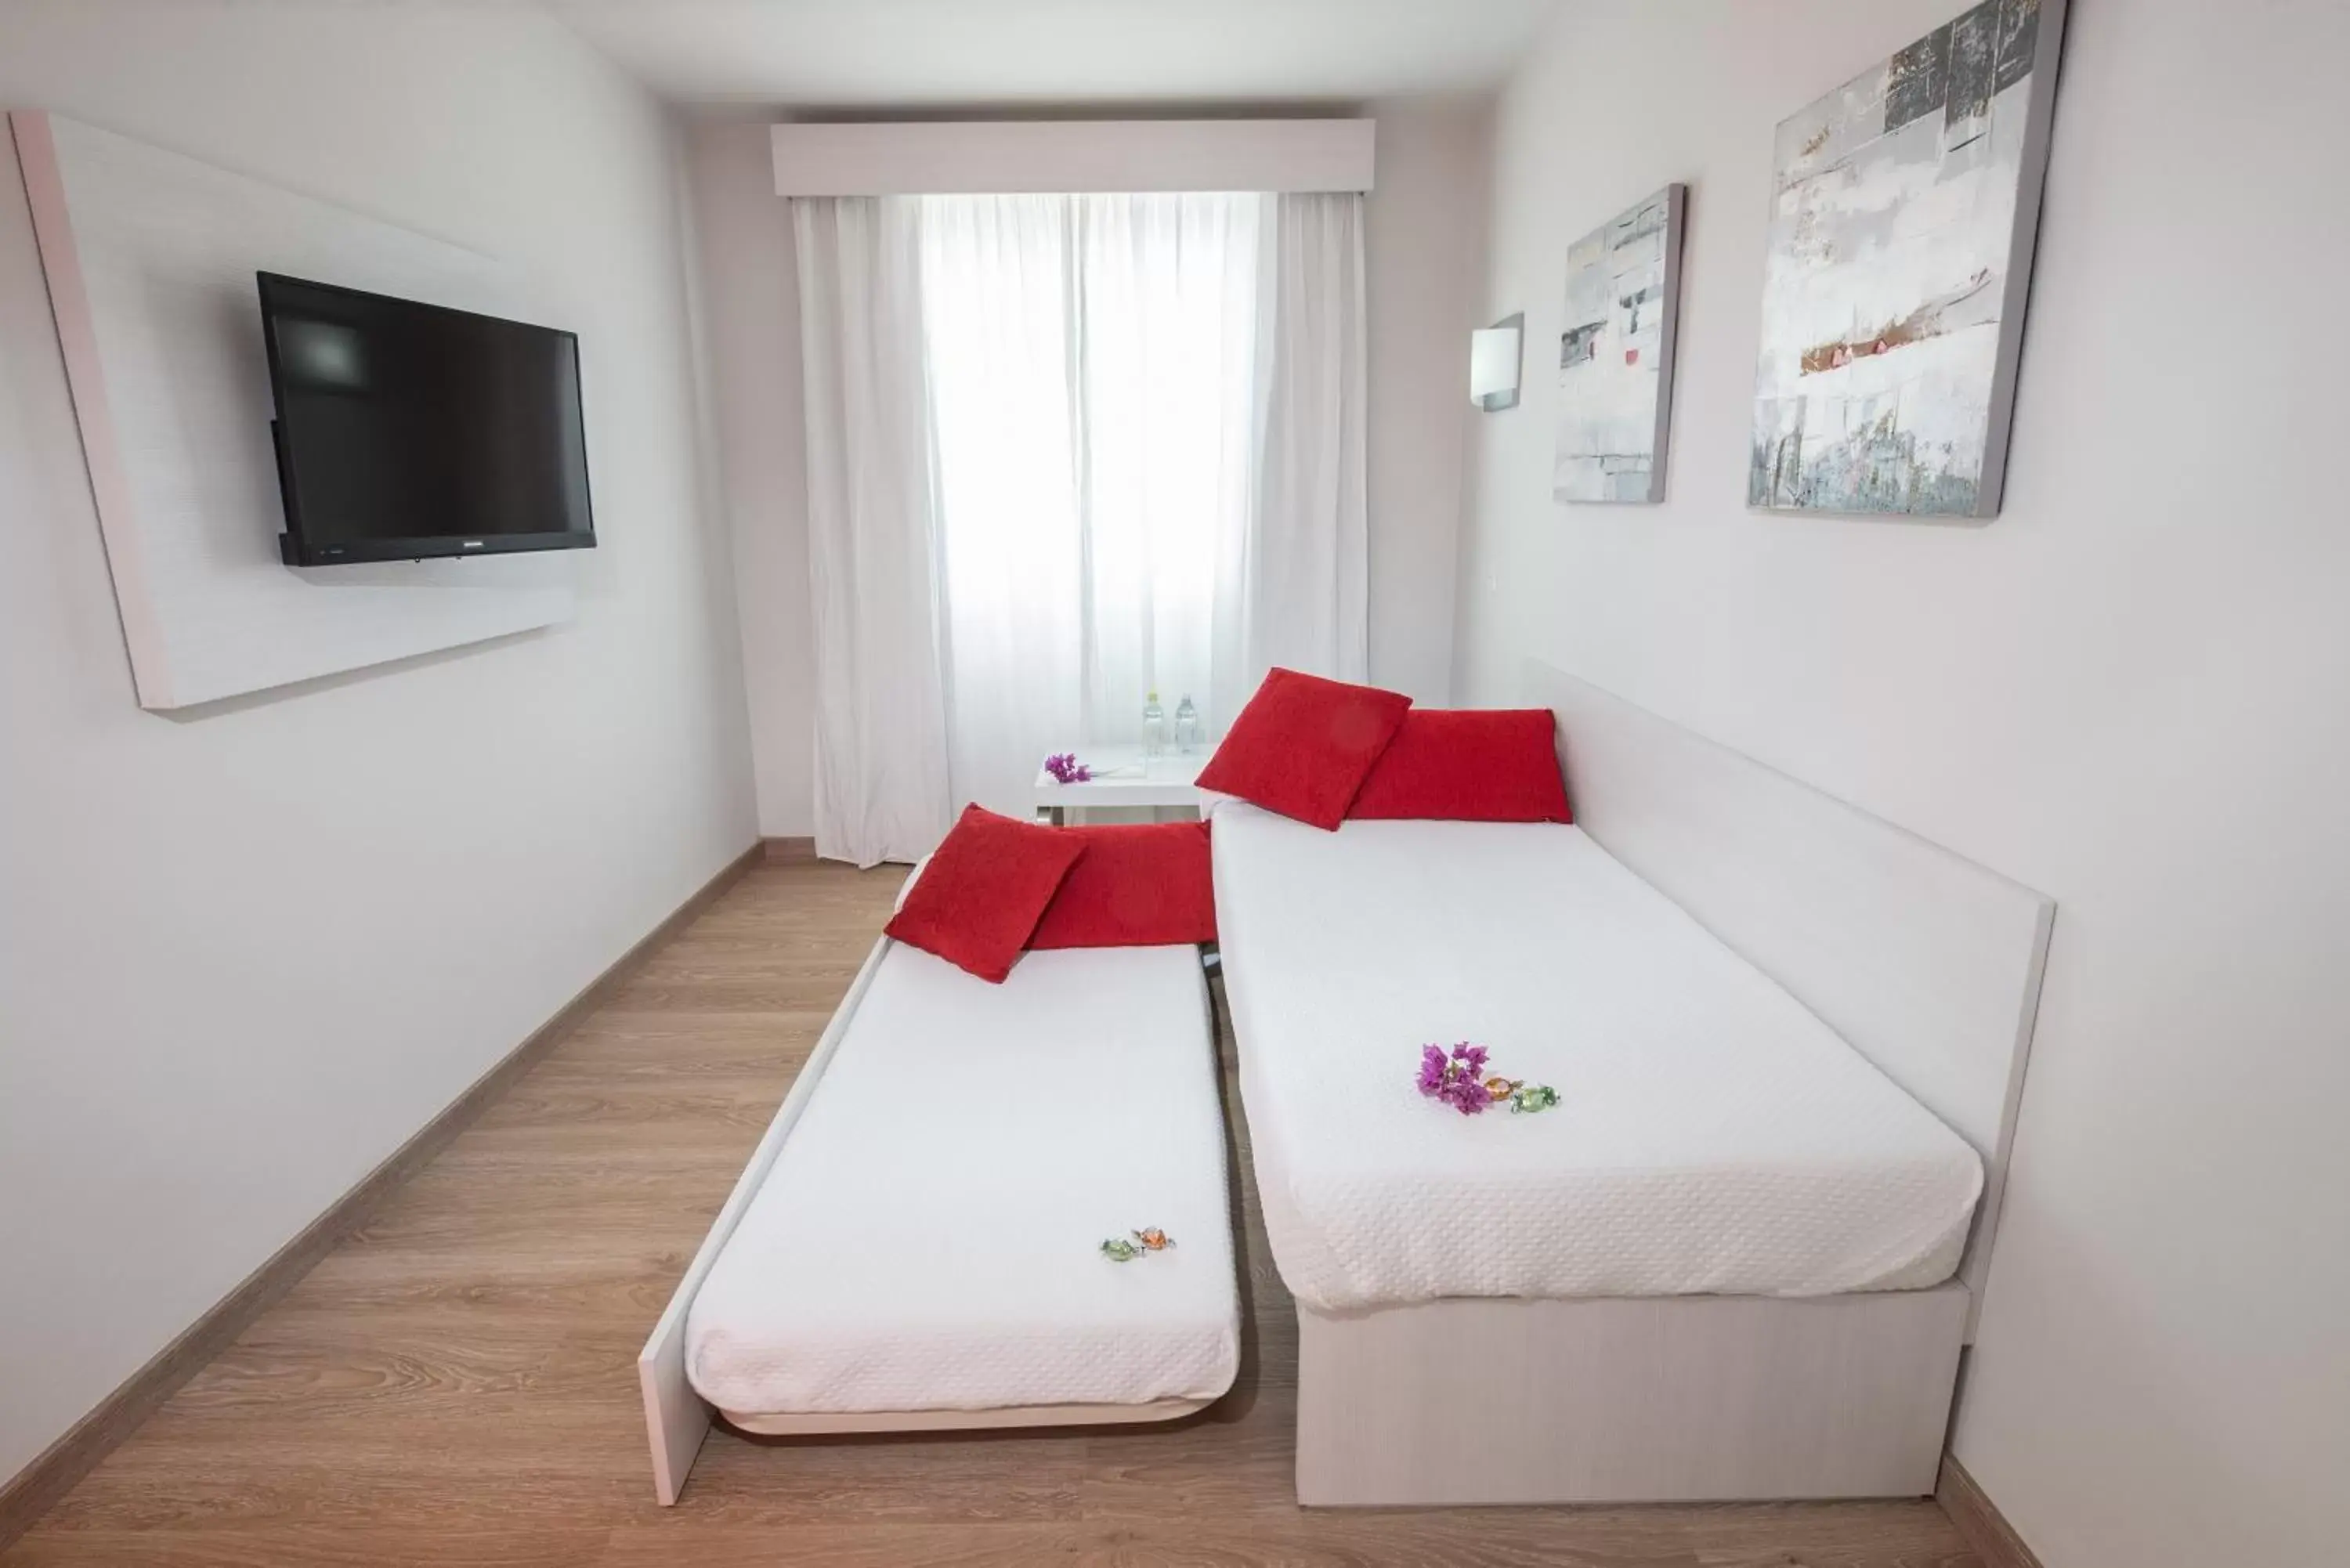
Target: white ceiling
x=907, y=53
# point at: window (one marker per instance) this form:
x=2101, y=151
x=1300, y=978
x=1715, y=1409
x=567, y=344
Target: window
x=1092, y=363
x=1063, y=450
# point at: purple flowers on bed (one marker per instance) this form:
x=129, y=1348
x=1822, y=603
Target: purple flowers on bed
x=1457, y=1080
x=1431, y=1069
x=1065, y=769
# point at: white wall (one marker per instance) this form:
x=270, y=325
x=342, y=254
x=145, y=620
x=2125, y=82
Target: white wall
x=1424, y=235
x=2132, y=691
x=244, y=955
x=750, y=290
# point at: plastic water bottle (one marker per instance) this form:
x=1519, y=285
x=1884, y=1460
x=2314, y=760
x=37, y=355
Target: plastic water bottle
x=1154, y=728
x=1187, y=726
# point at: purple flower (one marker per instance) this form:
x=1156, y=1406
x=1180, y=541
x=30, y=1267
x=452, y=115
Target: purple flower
x=1431, y=1070
x=1458, y=1079
x=1065, y=769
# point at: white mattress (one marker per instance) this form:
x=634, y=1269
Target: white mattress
x=928, y=1236
x=1713, y=1136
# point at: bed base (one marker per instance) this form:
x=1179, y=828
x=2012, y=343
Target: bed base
x=676, y=1418
x=1627, y=1400
x=835, y=1423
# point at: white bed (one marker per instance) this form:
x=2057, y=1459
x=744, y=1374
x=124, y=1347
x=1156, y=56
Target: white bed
x=917, y=1243
x=1712, y=1137
x=929, y=1236
x=1789, y=1039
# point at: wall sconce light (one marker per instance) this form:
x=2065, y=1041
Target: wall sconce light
x=1494, y=354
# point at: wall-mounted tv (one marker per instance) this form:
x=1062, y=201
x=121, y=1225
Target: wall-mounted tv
x=406, y=431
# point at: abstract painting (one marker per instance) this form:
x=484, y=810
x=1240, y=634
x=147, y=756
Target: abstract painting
x=1616, y=354
x=1903, y=213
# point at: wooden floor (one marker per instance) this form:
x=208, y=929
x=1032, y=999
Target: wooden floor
x=456, y=1386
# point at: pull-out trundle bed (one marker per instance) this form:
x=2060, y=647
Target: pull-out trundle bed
x=917, y=1243
x=1735, y=1260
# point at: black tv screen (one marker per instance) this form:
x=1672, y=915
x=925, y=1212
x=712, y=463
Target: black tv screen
x=408, y=430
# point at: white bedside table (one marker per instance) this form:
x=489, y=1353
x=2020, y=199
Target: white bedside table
x=1121, y=778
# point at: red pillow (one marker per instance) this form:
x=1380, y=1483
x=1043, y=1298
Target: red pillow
x=983, y=890
x=1303, y=746
x=1469, y=766
x=1144, y=885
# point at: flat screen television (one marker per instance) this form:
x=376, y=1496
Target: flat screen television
x=406, y=432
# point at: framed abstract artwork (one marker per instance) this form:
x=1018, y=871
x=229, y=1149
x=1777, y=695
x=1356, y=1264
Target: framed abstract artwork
x=1904, y=209
x=1616, y=354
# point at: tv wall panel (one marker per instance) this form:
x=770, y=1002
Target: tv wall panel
x=151, y=257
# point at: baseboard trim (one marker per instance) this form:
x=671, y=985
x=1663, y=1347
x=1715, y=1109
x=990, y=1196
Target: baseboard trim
x=1979, y=1520
x=789, y=851
x=42, y=1484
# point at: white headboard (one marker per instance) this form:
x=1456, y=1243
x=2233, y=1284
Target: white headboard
x=1927, y=963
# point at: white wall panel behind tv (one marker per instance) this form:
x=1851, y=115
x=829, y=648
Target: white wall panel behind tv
x=151, y=259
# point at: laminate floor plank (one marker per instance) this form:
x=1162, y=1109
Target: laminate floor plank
x=454, y=1384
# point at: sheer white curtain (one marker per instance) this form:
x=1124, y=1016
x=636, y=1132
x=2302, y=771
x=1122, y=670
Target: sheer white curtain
x=1093, y=370
x=881, y=783
x=1142, y=467
x=1309, y=575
